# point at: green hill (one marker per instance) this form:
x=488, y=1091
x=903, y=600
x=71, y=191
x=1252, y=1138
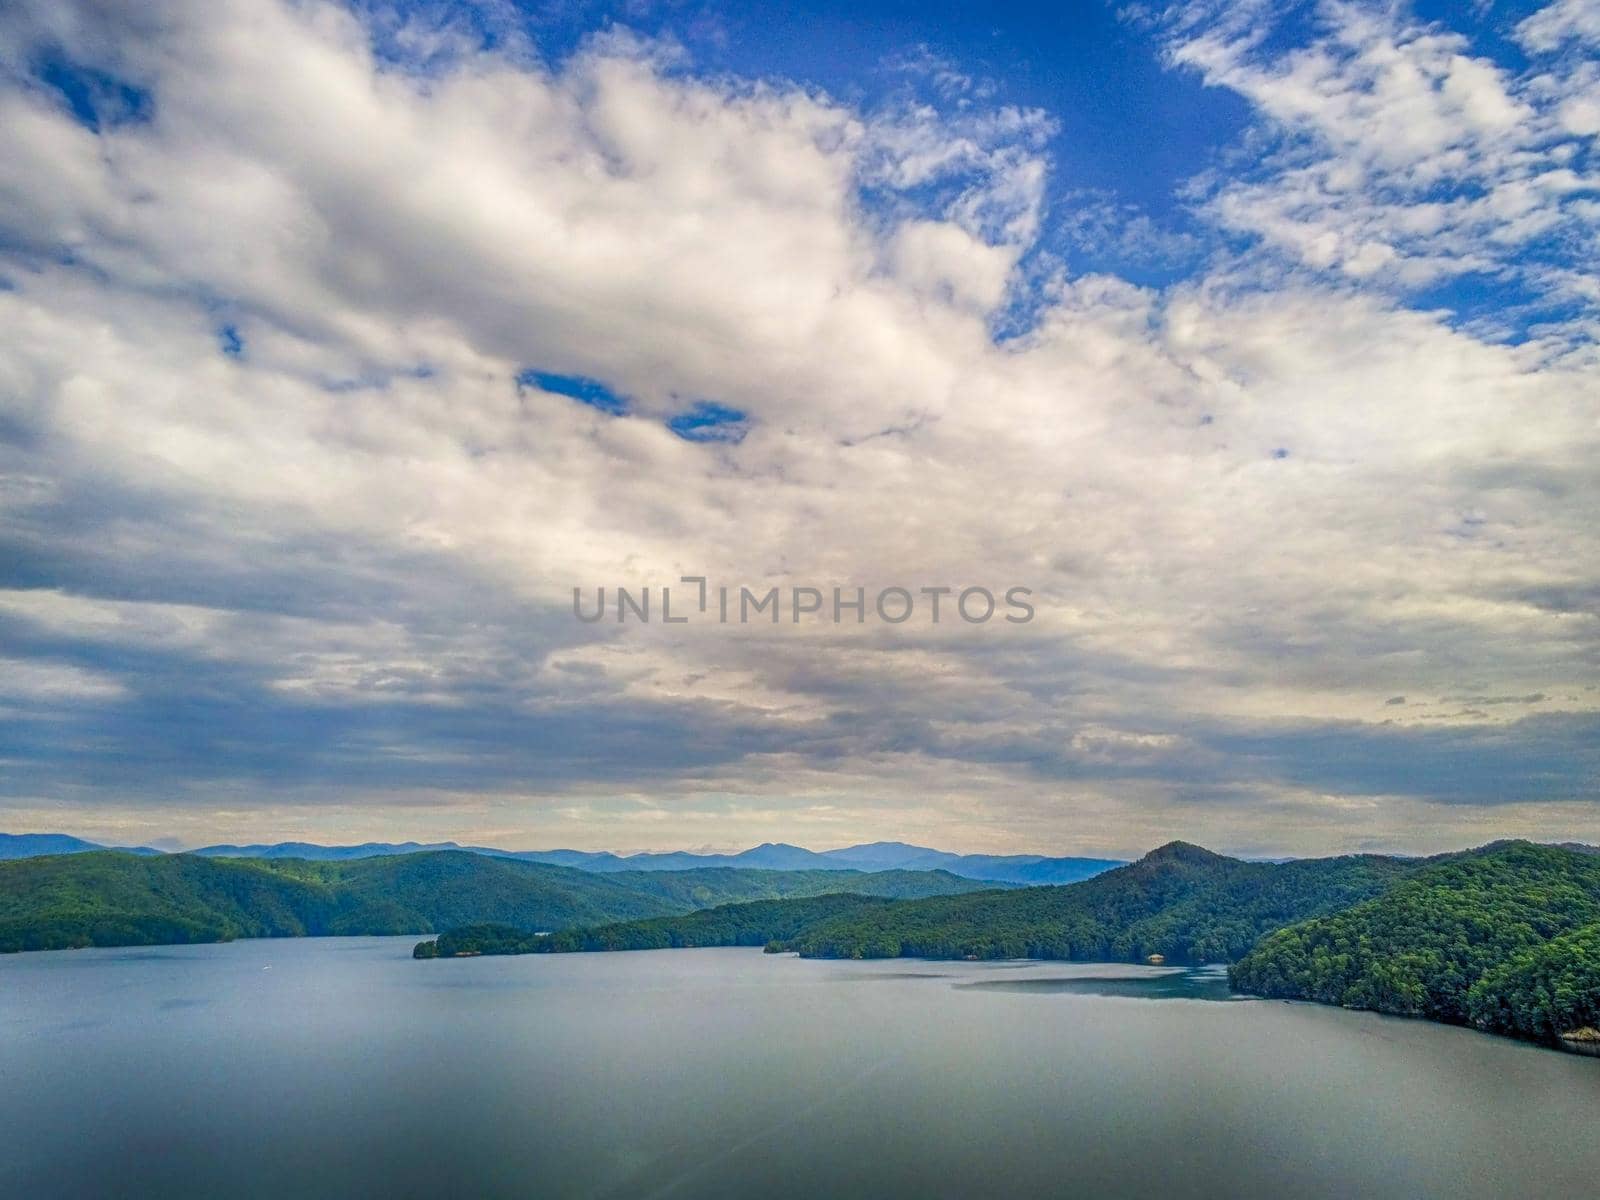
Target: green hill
x=1544, y=991
x=1180, y=901
x=1507, y=939
x=115, y=899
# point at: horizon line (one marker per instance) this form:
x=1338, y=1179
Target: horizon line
x=452, y=844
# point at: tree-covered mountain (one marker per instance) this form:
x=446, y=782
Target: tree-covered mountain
x=1544, y=991
x=1180, y=901
x=112, y=899
x=1507, y=939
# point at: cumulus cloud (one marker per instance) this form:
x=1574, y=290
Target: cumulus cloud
x=1390, y=153
x=291, y=525
x=1560, y=24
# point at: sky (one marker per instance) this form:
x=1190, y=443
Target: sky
x=1260, y=342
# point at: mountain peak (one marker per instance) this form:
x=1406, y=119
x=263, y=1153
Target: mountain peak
x=882, y=846
x=1183, y=852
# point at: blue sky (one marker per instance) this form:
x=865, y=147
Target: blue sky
x=1127, y=129
x=1257, y=340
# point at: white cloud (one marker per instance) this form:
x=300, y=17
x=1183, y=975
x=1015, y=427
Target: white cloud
x=1557, y=24
x=1253, y=501
x=1395, y=155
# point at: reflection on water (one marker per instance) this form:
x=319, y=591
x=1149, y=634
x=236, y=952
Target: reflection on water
x=340, y=1068
x=1199, y=983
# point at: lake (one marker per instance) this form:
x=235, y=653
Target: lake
x=341, y=1067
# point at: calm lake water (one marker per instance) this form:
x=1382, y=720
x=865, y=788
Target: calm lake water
x=340, y=1067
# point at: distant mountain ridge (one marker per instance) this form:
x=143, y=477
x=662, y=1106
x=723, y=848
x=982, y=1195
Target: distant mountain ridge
x=315, y=852
x=769, y=856
x=872, y=856
x=36, y=845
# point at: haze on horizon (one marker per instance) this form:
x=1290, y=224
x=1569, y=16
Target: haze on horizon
x=338, y=344
x=171, y=845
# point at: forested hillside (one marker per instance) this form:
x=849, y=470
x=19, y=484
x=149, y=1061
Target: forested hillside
x=1507, y=939
x=115, y=899
x=1180, y=901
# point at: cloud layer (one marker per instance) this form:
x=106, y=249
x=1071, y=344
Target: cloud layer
x=293, y=495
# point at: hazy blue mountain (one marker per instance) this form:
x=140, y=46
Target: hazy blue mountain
x=1018, y=868
x=31, y=845
x=873, y=856
x=874, y=852
x=583, y=860
x=1007, y=868
x=312, y=852
x=778, y=856
x=34, y=845
x=769, y=856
